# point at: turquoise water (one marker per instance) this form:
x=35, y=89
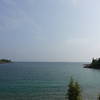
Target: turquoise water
x=45, y=81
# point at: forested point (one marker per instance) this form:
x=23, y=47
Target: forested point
x=94, y=64
x=5, y=61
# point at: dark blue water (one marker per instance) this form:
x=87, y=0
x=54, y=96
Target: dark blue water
x=45, y=81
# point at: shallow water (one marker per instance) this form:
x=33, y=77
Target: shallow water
x=45, y=80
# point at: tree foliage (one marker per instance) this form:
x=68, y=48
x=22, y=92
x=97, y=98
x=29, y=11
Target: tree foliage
x=74, y=91
x=4, y=61
x=98, y=97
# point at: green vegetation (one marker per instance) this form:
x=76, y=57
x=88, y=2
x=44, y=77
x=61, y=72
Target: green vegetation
x=98, y=97
x=5, y=61
x=74, y=91
x=94, y=64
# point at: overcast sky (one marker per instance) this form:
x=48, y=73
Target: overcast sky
x=49, y=30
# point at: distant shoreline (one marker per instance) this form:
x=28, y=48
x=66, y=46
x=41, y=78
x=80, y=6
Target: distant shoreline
x=4, y=61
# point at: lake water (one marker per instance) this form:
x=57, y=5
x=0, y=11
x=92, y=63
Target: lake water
x=46, y=81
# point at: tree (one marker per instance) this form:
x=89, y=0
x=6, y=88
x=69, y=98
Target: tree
x=93, y=61
x=74, y=91
x=98, y=97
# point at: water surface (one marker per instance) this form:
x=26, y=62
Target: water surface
x=45, y=80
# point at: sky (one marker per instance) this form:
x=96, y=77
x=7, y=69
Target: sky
x=50, y=30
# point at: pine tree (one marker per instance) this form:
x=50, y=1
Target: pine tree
x=98, y=97
x=74, y=91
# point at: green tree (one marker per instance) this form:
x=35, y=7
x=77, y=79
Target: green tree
x=74, y=91
x=98, y=97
